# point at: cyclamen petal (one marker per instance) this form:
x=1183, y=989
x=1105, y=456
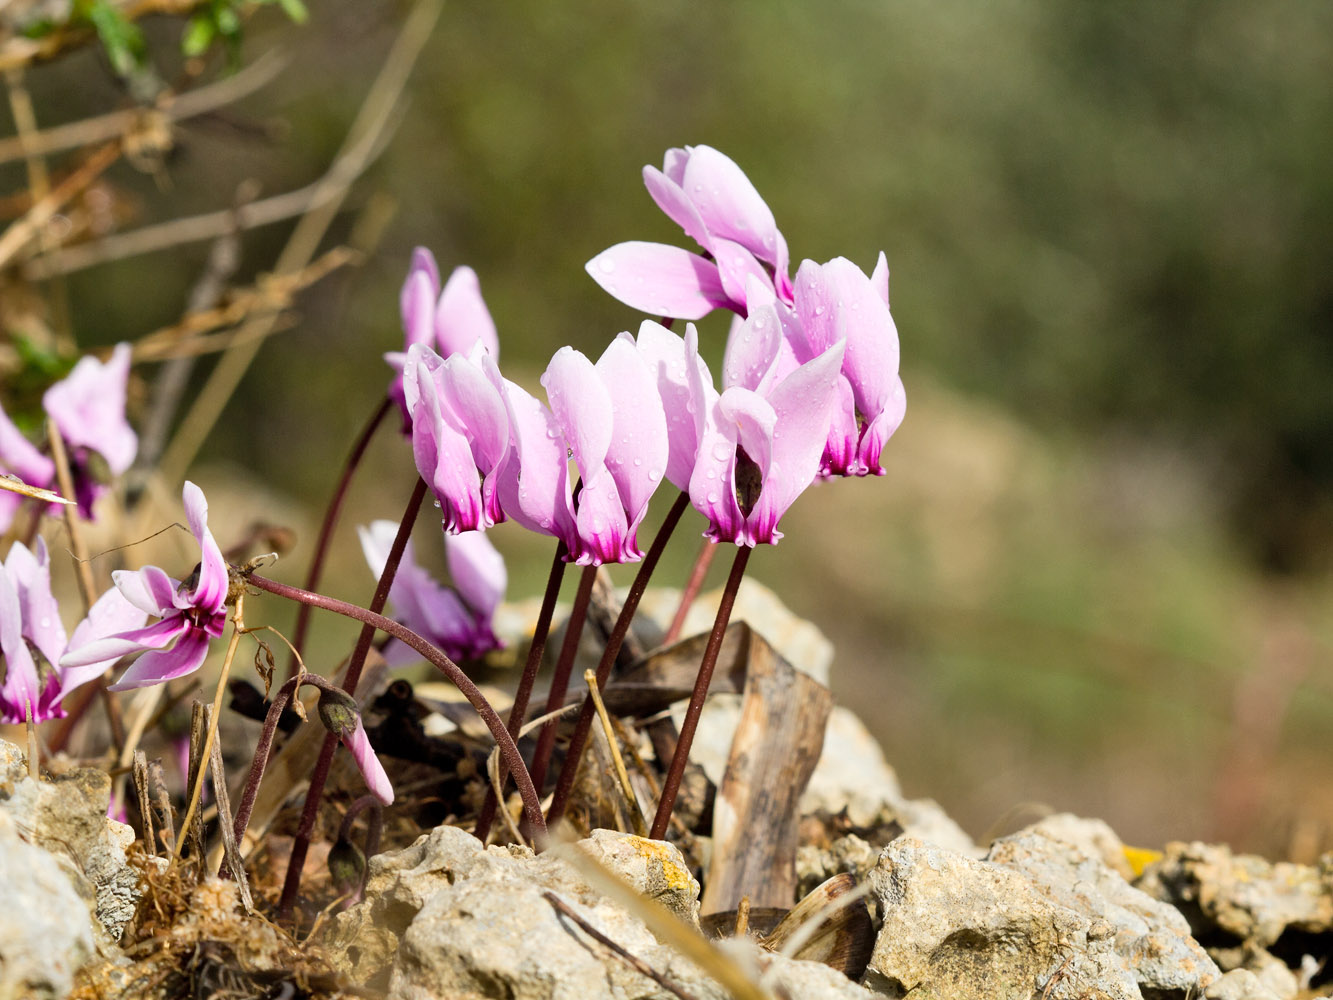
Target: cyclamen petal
x=728, y=203
x=534, y=485
x=88, y=408
x=21, y=692
x=210, y=593
x=582, y=407
x=113, y=647
x=660, y=280
x=372, y=771
x=640, y=445
x=111, y=613
x=477, y=570
x=461, y=317
x=685, y=397
x=158, y=666
x=30, y=574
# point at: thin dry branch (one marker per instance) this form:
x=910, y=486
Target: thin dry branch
x=171, y=109
x=272, y=294
x=21, y=231
x=372, y=123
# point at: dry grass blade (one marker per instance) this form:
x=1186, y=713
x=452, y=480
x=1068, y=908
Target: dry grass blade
x=668, y=928
x=14, y=484
x=233, y=853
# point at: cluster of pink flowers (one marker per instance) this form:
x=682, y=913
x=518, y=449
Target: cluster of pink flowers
x=809, y=387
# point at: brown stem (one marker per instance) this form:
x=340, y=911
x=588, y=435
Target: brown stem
x=301, y=843
x=692, y=587
x=565, y=782
x=508, y=750
x=541, y=758
x=519, y=710
x=672, y=784
x=330, y=522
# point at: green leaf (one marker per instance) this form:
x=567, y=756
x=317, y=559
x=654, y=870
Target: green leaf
x=122, y=39
x=294, y=9
x=199, y=34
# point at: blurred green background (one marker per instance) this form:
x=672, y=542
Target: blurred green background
x=1096, y=576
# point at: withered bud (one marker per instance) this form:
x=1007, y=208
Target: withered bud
x=347, y=865
x=338, y=712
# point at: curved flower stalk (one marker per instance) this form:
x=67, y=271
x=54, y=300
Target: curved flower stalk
x=452, y=319
x=710, y=198
x=609, y=418
x=32, y=637
x=88, y=409
x=837, y=302
x=190, y=613
x=460, y=432
x=456, y=619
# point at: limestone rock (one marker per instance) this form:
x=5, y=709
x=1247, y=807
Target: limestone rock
x=45, y=931
x=1246, y=896
x=1094, y=837
x=957, y=927
x=67, y=817
x=1239, y=984
x=655, y=869
x=816, y=865
x=363, y=940
x=1152, y=939
x=852, y=774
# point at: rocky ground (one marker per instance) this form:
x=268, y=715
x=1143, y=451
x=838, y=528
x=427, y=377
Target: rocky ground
x=894, y=899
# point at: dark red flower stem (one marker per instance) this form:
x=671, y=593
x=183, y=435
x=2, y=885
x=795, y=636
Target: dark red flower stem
x=264, y=748
x=374, y=831
x=565, y=782
x=508, y=751
x=692, y=587
x=331, y=515
x=672, y=784
x=518, y=712
x=578, y=615
x=301, y=843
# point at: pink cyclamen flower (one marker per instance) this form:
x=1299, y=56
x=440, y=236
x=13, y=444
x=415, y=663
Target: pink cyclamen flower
x=19, y=457
x=451, y=320
x=460, y=432
x=88, y=409
x=837, y=302
x=746, y=454
x=191, y=613
x=32, y=637
x=456, y=619
x=609, y=418
x=707, y=195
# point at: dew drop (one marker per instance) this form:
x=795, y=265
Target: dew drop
x=758, y=323
x=45, y=623
x=654, y=474
x=712, y=498
x=638, y=462
x=819, y=310
x=606, y=264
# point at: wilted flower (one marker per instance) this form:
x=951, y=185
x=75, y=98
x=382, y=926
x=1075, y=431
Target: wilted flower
x=32, y=637
x=191, y=613
x=609, y=418
x=339, y=714
x=456, y=619
x=452, y=320
x=709, y=196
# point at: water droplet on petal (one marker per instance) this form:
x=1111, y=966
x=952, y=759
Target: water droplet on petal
x=638, y=462
x=654, y=474
x=606, y=264
x=712, y=498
